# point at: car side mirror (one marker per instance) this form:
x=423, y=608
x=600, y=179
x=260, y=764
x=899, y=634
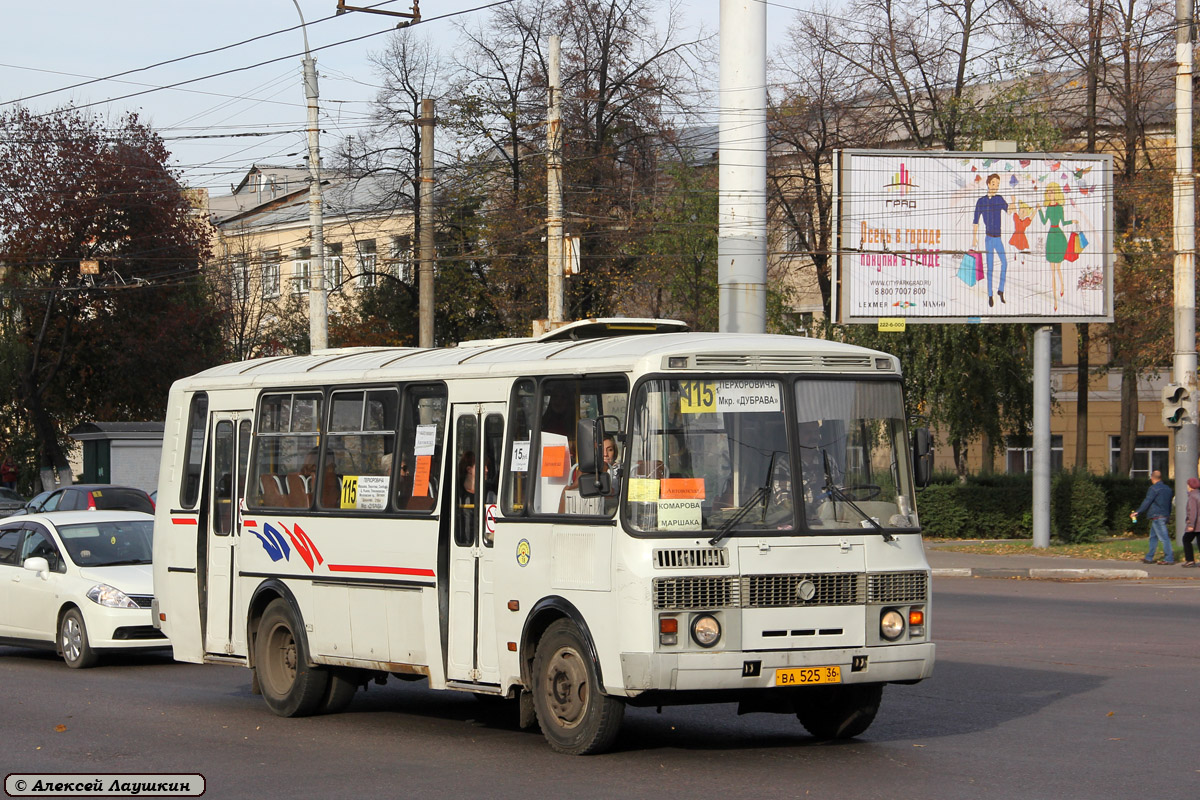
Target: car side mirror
x=922, y=453
x=39, y=565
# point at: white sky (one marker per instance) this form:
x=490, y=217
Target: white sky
x=59, y=43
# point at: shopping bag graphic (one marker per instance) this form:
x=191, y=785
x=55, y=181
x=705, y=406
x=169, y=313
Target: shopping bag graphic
x=1072, y=253
x=978, y=266
x=1082, y=242
x=966, y=270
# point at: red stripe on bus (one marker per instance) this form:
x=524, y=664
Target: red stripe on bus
x=386, y=570
x=249, y=523
x=183, y=521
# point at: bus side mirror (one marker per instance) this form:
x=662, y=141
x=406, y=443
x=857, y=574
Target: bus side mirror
x=588, y=440
x=922, y=451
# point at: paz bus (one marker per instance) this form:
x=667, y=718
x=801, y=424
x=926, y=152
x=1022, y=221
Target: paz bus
x=618, y=513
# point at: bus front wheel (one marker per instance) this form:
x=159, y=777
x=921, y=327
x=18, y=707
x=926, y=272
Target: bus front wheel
x=838, y=712
x=576, y=717
x=289, y=685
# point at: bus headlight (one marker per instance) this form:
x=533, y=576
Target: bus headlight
x=706, y=631
x=891, y=624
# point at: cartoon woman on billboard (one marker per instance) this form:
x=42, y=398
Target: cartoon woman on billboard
x=1052, y=215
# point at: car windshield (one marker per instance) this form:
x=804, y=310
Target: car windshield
x=117, y=499
x=719, y=456
x=107, y=544
x=10, y=495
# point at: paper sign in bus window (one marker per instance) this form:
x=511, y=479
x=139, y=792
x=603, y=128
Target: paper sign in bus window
x=554, y=461
x=520, y=456
x=643, y=490
x=681, y=489
x=421, y=476
x=372, y=493
x=679, y=515
x=730, y=397
x=426, y=440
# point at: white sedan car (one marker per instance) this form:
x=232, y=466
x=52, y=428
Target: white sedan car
x=78, y=581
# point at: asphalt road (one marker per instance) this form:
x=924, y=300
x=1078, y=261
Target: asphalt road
x=1042, y=690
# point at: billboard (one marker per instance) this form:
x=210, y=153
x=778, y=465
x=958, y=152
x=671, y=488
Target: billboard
x=973, y=237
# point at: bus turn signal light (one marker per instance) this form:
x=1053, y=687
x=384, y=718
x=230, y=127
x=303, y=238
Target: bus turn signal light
x=916, y=617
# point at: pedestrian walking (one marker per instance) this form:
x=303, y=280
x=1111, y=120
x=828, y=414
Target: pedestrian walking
x=1157, y=506
x=9, y=473
x=1192, y=525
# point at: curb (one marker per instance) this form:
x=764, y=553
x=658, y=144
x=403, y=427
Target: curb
x=1044, y=574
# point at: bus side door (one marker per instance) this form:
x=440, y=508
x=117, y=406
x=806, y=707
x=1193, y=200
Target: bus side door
x=472, y=654
x=227, y=462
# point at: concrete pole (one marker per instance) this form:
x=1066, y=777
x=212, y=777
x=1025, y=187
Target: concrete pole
x=554, y=209
x=318, y=309
x=1041, y=437
x=1186, y=444
x=742, y=214
x=425, y=289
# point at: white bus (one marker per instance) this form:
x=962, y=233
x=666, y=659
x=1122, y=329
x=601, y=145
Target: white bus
x=618, y=513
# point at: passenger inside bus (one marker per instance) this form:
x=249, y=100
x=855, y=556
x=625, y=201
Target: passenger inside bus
x=467, y=505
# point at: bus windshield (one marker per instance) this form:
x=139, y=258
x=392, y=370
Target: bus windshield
x=719, y=456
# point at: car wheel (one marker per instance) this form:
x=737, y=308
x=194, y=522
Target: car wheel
x=289, y=685
x=838, y=712
x=575, y=715
x=73, y=641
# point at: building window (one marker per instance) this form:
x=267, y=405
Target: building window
x=240, y=280
x=270, y=270
x=366, y=263
x=402, y=257
x=1056, y=345
x=334, y=266
x=301, y=270
x=1149, y=453
x=1019, y=455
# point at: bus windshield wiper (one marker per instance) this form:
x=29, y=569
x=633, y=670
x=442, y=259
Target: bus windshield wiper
x=755, y=498
x=838, y=493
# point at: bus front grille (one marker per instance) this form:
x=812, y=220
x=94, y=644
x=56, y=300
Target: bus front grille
x=897, y=587
x=759, y=591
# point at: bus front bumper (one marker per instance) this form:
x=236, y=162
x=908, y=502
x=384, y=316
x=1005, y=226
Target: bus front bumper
x=643, y=672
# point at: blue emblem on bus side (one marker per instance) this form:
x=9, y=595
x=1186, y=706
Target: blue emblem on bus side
x=274, y=543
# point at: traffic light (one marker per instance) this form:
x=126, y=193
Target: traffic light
x=1174, y=411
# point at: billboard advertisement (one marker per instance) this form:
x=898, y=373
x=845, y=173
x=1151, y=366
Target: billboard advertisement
x=974, y=237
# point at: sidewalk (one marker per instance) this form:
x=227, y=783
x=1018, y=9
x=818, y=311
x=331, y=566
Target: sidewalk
x=954, y=564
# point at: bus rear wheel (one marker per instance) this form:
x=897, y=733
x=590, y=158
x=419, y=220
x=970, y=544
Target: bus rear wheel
x=575, y=715
x=838, y=712
x=289, y=685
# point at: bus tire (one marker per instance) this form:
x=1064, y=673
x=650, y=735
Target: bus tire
x=289, y=685
x=575, y=715
x=343, y=683
x=838, y=712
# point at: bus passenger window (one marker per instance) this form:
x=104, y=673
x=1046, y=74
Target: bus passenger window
x=356, y=474
x=288, y=435
x=422, y=432
x=563, y=403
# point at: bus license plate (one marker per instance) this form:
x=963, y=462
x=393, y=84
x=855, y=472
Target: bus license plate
x=806, y=676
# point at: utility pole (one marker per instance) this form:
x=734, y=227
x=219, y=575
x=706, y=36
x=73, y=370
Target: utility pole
x=1185, y=266
x=554, y=209
x=742, y=142
x=425, y=289
x=318, y=311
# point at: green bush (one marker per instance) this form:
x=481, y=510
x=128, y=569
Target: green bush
x=966, y=511
x=1083, y=507
x=1078, y=507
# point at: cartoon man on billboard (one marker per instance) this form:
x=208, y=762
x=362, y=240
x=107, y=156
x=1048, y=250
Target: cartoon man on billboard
x=991, y=207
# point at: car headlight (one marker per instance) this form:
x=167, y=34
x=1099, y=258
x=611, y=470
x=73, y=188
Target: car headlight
x=109, y=596
x=891, y=624
x=706, y=631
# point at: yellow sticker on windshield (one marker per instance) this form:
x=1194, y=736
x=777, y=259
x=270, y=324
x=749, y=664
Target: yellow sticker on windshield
x=643, y=490
x=697, y=397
